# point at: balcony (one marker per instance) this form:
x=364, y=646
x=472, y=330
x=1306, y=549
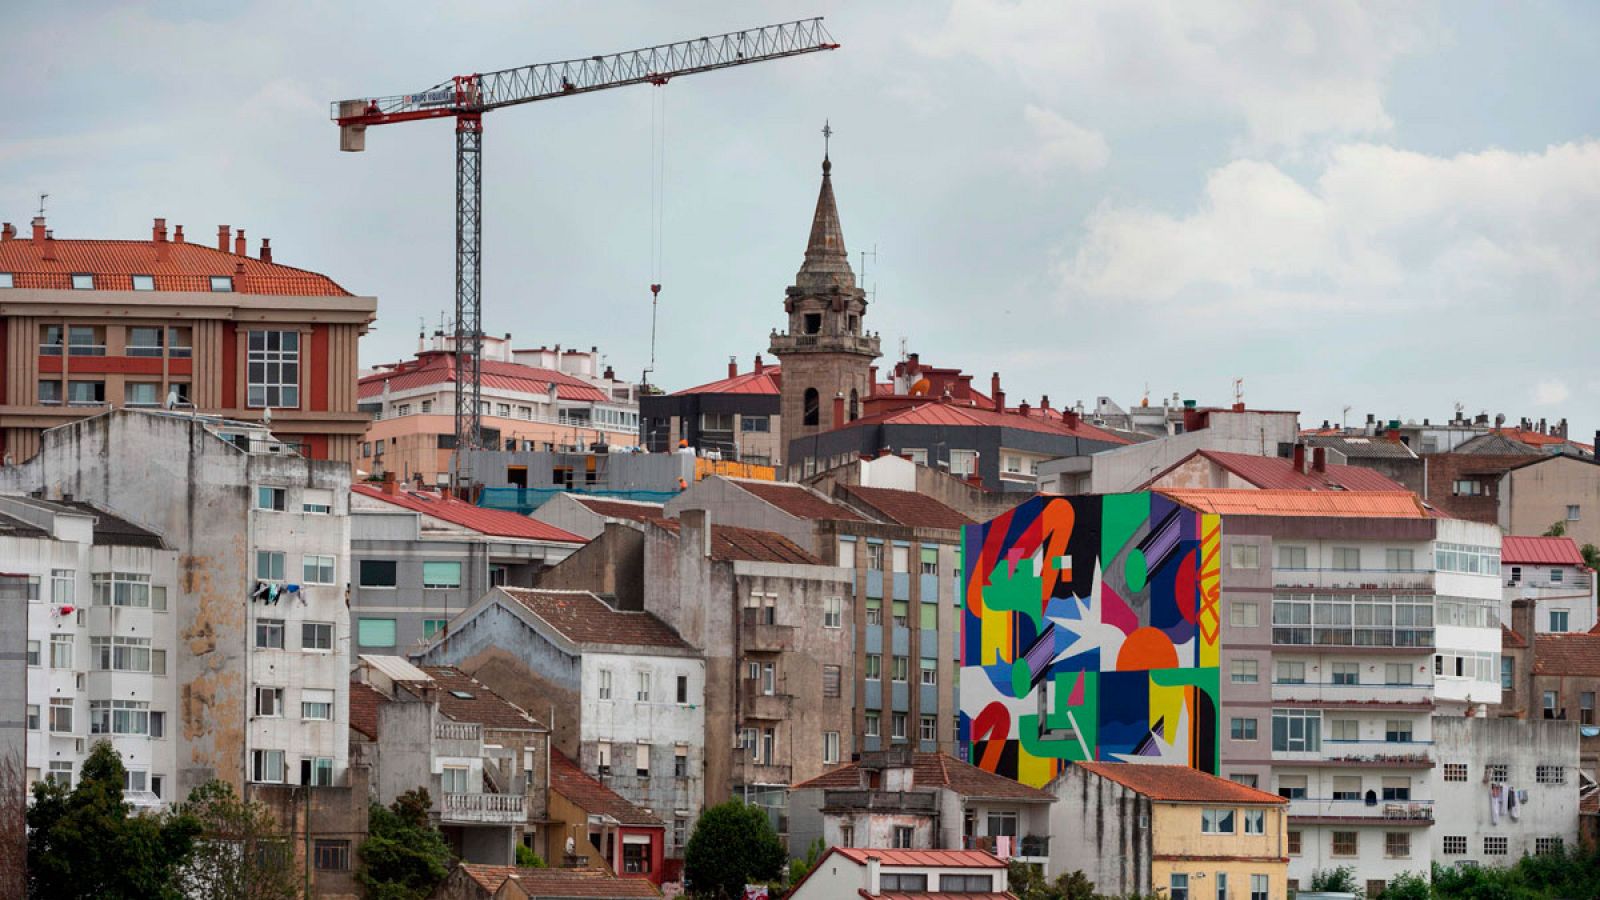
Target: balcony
x=1389, y=813
x=748, y=772
x=1361, y=754
x=1366, y=695
x=1386, y=580
x=900, y=802
x=1032, y=846
x=458, y=731
x=758, y=704
x=762, y=638
x=1576, y=586
x=799, y=343
x=483, y=809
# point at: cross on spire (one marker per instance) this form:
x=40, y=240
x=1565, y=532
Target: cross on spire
x=827, y=135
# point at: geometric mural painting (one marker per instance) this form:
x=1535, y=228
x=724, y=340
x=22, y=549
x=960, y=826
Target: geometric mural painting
x=1090, y=629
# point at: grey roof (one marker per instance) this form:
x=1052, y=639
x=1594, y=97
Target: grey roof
x=10, y=527
x=1356, y=447
x=1496, y=445
x=109, y=529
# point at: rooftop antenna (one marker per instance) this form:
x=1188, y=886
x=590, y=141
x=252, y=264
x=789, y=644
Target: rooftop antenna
x=872, y=291
x=42, y=199
x=1344, y=420
x=1238, y=390
x=903, y=349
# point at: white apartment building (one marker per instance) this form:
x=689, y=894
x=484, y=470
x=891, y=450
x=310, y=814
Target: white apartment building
x=1551, y=572
x=1481, y=762
x=257, y=625
x=100, y=634
x=1352, y=619
x=880, y=873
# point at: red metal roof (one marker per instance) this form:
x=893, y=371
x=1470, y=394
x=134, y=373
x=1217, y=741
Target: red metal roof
x=798, y=501
x=956, y=415
x=1335, y=504
x=436, y=367
x=949, y=859
x=1279, y=473
x=188, y=267
x=765, y=381
x=1540, y=551
x=1178, y=784
x=498, y=523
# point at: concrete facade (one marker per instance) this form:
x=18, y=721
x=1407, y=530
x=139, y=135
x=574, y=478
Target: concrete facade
x=843, y=872
x=1118, y=469
x=244, y=513
x=1477, y=754
x=1556, y=489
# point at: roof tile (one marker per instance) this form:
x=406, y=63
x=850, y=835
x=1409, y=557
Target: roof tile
x=1511, y=639
x=496, y=522
x=620, y=509
x=1566, y=654
x=907, y=507
x=593, y=797
x=466, y=699
x=1279, y=473
x=956, y=415
x=1178, y=784
x=937, y=770
x=730, y=543
x=586, y=619
x=364, y=703
x=560, y=883
x=188, y=267
x=798, y=501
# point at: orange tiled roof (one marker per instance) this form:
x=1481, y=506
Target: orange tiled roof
x=635, y=510
x=1335, y=504
x=562, y=883
x=586, y=619
x=730, y=543
x=1274, y=472
x=1178, y=784
x=440, y=368
x=938, y=770
x=187, y=267
x=1566, y=654
x=466, y=699
x=907, y=507
x=798, y=501
x=944, y=859
x=956, y=415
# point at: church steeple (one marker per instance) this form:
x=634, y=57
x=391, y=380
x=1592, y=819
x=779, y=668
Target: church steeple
x=827, y=262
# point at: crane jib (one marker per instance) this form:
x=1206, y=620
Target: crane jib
x=429, y=98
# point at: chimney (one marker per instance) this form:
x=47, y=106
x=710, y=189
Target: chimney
x=872, y=372
x=1319, y=459
x=239, y=248
x=696, y=526
x=49, y=245
x=1070, y=417
x=8, y=232
x=761, y=365
x=266, y=250
x=1023, y=408
x=222, y=238
x=995, y=392
x=913, y=363
x=733, y=367
x=874, y=876
x=177, y=234
x=38, y=229
x=158, y=231
x=1299, y=457
x=610, y=374
x=390, y=486
x=1238, y=407
x=1393, y=435
x=1372, y=419
x=1044, y=402
x=838, y=410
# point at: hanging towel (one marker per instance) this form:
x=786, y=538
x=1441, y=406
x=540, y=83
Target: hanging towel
x=1522, y=798
x=1002, y=846
x=1495, y=801
x=260, y=593
x=1512, y=806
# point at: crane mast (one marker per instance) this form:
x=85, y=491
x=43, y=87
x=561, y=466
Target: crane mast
x=467, y=97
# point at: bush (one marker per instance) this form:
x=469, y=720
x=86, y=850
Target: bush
x=733, y=845
x=528, y=859
x=404, y=857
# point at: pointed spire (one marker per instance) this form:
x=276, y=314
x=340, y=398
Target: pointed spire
x=827, y=261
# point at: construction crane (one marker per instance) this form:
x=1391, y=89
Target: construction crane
x=467, y=97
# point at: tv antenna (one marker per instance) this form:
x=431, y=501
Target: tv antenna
x=872, y=291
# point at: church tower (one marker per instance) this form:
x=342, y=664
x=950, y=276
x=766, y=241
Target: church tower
x=825, y=354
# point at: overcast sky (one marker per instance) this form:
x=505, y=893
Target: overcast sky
x=1392, y=207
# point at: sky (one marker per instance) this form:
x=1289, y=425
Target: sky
x=1355, y=208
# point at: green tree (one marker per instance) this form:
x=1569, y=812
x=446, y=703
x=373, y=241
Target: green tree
x=404, y=857
x=1408, y=886
x=800, y=868
x=87, y=843
x=1340, y=879
x=528, y=859
x=733, y=844
x=1591, y=556
x=1559, y=529
x=241, y=854
x=1027, y=882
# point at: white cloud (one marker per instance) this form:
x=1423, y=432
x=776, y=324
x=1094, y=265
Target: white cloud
x=1061, y=143
x=1377, y=226
x=1289, y=72
x=1551, y=393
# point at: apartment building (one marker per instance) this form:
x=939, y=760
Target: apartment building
x=263, y=536
x=89, y=325
x=606, y=830
x=1550, y=573
x=419, y=557
x=100, y=633
x=540, y=399
x=1506, y=788
x=879, y=874
x=1351, y=619
x=625, y=693
x=736, y=417
x=482, y=759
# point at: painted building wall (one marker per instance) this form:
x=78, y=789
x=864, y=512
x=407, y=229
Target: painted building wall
x=1218, y=865
x=1091, y=631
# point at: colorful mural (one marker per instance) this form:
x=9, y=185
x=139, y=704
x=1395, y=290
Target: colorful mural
x=1090, y=630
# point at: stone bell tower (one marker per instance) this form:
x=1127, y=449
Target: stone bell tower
x=825, y=354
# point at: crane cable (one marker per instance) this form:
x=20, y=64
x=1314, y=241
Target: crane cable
x=658, y=190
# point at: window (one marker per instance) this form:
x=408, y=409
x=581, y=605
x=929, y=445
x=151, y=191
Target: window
x=7, y=280
x=1396, y=788
x=874, y=665
x=1178, y=886
x=1467, y=487
x=266, y=766
x=1344, y=730
x=603, y=683
x=963, y=462
x=1258, y=887
x=603, y=751
x=273, y=368
x=1495, y=846
x=1244, y=671
x=453, y=779
x=1558, y=620
x=125, y=654
x=222, y=284
x=832, y=612
x=965, y=884
x=1455, y=772
x=1244, y=779
x=86, y=340
x=901, y=612
x=375, y=632
x=928, y=615
x=1347, y=787
x=1222, y=886
x=874, y=611
x=316, y=704
x=929, y=728
x=1294, y=843
x=683, y=688
x=641, y=760
x=269, y=634
x=635, y=857
x=874, y=556
x=317, y=569
x=897, y=723
x=832, y=676
x=1291, y=557
x=830, y=746
x=1243, y=615
x=119, y=717
x=269, y=701
x=1555, y=576
x=1455, y=844
x=680, y=761
x=1397, y=731
x=1397, y=844
x=82, y=282
x=1290, y=673
x=1346, y=673
x=61, y=715
x=86, y=393
x=1471, y=559
x=1296, y=729
x=1243, y=729
x=33, y=717
x=141, y=393
x=1245, y=556
x=1255, y=821
x=871, y=727
x=917, y=455
x=1216, y=821
x=1399, y=559
x=178, y=345
x=1499, y=773
x=1552, y=703
x=60, y=651
x=902, y=669
x=332, y=855
x=1572, y=512
x=1586, y=708
x=378, y=573
x=270, y=565
x=1347, y=558
x=903, y=840
x=812, y=409
x=316, y=636
x=930, y=560
x=1546, y=774
x=50, y=393
x=1346, y=843
x=643, y=694
x=441, y=575
x=120, y=589
x=1397, y=673
x=930, y=674
x=1546, y=845
x=755, y=423
x=60, y=772
x=1516, y=574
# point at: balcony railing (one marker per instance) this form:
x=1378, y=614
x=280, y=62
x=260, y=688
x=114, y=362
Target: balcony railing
x=758, y=704
x=1345, y=636
x=1032, y=846
x=766, y=638
x=1354, y=579
x=458, y=731
x=1325, y=692
x=911, y=802
x=856, y=343
x=1387, y=811
x=1576, y=585
x=751, y=772
x=484, y=809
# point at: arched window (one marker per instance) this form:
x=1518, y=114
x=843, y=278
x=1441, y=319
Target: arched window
x=855, y=405
x=813, y=408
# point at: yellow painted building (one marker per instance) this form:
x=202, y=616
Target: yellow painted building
x=1132, y=827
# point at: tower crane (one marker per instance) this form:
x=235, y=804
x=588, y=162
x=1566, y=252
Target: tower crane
x=467, y=97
